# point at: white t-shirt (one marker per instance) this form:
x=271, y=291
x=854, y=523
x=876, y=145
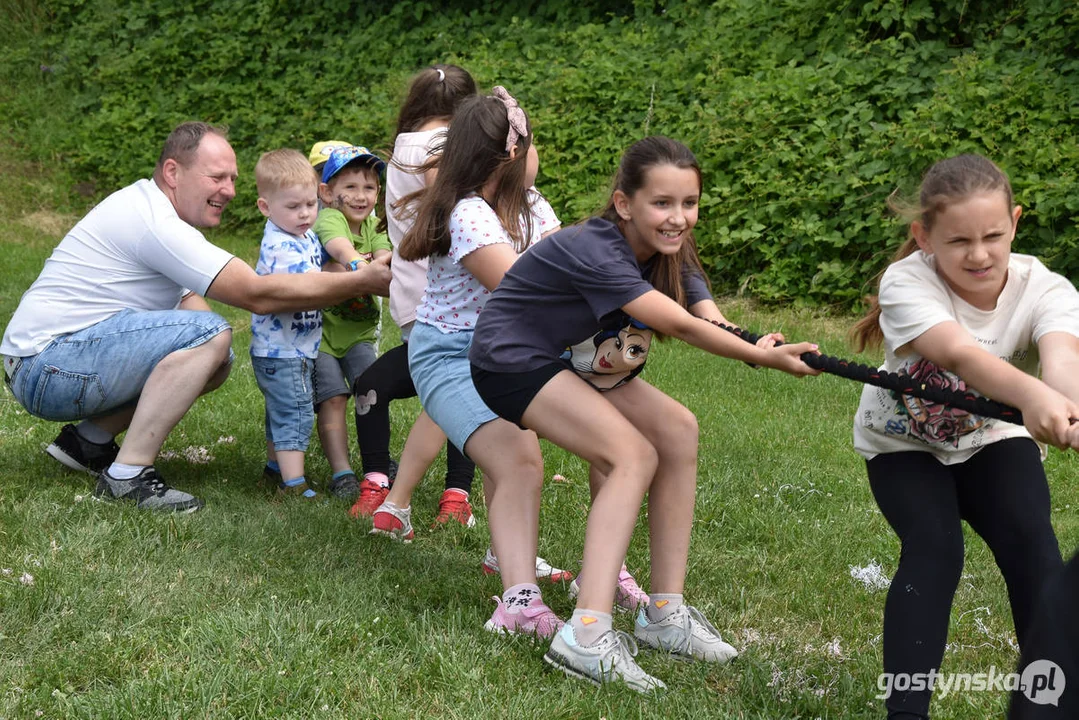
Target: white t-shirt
x=132, y=251
x=913, y=299
x=409, y=278
x=454, y=297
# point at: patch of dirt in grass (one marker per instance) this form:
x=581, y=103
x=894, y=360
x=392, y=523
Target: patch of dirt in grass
x=51, y=223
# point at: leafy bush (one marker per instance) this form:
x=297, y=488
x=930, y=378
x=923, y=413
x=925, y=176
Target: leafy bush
x=805, y=114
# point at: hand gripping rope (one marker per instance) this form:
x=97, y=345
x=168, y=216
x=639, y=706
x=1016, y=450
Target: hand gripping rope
x=903, y=384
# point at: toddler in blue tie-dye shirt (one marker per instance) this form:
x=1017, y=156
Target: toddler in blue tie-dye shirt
x=284, y=345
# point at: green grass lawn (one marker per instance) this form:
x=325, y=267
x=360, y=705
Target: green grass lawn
x=259, y=608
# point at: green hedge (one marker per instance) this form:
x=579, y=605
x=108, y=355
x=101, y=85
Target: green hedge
x=805, y=114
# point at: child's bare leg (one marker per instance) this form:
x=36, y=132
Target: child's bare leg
x=291, y=463
x=333, y=432
x=672, y=429
x=424, y=442
x=573, y=416
x=513, y=478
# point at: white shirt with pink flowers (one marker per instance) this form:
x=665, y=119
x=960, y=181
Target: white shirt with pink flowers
x=914, y=298
x=454, y=297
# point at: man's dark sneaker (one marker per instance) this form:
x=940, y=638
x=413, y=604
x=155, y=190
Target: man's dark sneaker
x=346, y=487
x=78, y=453
x=148, y=491
x=392, y=472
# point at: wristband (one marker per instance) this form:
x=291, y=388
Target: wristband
x=355, y=264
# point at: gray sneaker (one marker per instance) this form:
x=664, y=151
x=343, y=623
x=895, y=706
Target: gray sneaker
x=148, y=491
x=685, y=634
x=610, y=659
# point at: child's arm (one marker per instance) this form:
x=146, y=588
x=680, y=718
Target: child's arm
x=1046, y=411
x=381, y=253
x=342, y=250
x=1059, y=352
x=664, y=315
x=489, y=263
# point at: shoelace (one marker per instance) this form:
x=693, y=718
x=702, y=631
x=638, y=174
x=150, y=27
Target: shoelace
x=154, y=483
x=452, y=508
x=624, y=643
x=689, y=616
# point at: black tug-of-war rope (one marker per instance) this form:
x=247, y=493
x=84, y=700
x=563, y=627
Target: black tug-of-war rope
x=903, y=384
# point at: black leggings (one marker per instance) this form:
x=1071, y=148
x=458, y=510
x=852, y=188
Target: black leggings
x=1053, y=636
x=1003, y=495
x=388, y=379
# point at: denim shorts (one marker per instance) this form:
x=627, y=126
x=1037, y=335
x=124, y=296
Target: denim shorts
x=337, y=376
x=104, y=367
x=290, y=413
x=443, y=376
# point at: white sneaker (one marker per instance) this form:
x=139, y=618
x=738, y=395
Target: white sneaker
x=684, y=633
x=610, y=659
x=628, y=595
x=544, y=569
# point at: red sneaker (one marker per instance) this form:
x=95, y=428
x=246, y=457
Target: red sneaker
x=454, y=506
x=394, y=522
x=372, y=494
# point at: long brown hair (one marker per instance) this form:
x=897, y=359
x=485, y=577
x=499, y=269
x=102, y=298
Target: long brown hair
x=435, y=92
x=474, y=153
x=638, y=159
x=947, y=182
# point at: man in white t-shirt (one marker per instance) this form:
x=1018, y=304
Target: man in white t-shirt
x=115, y=331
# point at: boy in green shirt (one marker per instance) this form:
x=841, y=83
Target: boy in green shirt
x=347, y=228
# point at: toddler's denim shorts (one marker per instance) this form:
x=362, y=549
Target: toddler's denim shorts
x=286, y=383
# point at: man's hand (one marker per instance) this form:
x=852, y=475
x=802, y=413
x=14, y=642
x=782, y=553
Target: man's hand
x=375, y=276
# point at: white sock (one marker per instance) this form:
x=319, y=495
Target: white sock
x=589, y=625
x=660, y=605
x=119, y=471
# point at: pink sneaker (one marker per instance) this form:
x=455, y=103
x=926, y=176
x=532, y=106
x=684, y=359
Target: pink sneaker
x=537, y=619
x=628, y=595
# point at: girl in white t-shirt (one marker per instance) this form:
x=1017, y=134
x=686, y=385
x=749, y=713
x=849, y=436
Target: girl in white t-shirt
x=956, y=303
x=433, y=97
x=471, y=223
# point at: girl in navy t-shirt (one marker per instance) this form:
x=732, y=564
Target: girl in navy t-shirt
x=628, y=263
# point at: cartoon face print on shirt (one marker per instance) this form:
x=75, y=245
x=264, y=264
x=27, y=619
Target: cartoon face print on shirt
x=613, y=356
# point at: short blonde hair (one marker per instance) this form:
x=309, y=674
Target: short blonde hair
x=284, y=168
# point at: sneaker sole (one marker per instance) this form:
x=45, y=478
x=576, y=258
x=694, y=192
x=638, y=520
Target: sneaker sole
x=506, y=632
x=391, y=534
x=553, y=660
x=680, y=656
x=107, y=496
x=66, y=460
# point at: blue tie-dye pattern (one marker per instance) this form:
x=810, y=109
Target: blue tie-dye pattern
x=294, y=334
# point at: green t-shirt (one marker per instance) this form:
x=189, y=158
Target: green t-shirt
x=356, y=320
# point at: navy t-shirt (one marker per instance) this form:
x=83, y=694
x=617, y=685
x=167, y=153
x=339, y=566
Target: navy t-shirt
x=563, y=299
